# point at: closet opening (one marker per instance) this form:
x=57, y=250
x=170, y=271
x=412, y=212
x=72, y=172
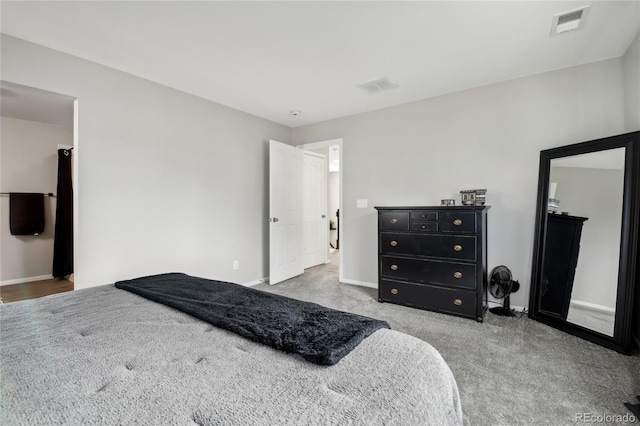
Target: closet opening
x=38, y=129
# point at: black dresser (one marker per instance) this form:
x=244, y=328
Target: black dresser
x=434, y=258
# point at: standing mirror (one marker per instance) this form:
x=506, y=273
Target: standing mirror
x=586, y=239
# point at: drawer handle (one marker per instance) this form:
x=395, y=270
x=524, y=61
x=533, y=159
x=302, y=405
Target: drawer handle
x=394, y=221
x=394, y=291
x=394, y=267
x=423, y=227
x=458, y=275
x=457, y=302
x=393, y=243
x=457, y=222
x=457, y=247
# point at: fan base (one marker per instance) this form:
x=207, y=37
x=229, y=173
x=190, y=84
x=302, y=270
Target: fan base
x=502, y=311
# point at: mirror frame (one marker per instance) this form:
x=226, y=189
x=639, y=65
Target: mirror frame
x=629, y=241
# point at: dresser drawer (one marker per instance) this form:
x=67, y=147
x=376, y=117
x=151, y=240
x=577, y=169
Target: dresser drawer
x=424, y=226
x=398, y=221
x=424, y=215
x=429, y=245
x=462, y=222
x=445, y=300
x=428, y=271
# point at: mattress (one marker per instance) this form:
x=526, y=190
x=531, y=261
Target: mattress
x=106, y=356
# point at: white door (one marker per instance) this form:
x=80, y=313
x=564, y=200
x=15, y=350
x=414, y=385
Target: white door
x=285, y=212
x=314, y=212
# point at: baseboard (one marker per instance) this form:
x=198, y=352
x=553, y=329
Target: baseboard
x=256, y=282
x=360, y=283
x=514, y=307
x=26, y=280
x=593, y=306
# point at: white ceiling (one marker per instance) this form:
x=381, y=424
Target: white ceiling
x=26, y=103
x=268, y=58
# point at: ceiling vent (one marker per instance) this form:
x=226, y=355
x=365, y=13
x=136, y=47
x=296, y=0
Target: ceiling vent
x=569, y=21
x=378, y=85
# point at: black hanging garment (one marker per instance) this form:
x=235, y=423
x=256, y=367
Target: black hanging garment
x=63, y=240
x=26, y=213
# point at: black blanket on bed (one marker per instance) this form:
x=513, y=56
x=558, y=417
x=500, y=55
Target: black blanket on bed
x=318, y=334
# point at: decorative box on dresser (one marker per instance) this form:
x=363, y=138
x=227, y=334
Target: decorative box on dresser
x=434, y=258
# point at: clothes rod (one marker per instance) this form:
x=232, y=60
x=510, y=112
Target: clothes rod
x=6, y=194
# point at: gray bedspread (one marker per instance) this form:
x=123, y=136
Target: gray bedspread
x=106, y=356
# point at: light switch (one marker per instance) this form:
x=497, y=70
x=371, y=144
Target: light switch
x=362, y=204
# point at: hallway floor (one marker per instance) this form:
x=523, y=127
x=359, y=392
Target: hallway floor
x=35, y=289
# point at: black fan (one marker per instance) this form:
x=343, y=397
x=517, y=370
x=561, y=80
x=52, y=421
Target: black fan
x=501, y=285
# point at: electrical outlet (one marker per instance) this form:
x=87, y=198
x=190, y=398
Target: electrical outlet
x=362, y=203
x=236, y=265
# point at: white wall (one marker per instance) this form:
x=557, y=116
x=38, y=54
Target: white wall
x=597, y=195
x=169, y=181
x=632, y=85
x=166, y=181
x=488, y=137
x=28, y=163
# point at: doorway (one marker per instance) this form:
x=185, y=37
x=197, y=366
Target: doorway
x=36, y=124
x=333, y=150
x=315, y=238
x=298, y=225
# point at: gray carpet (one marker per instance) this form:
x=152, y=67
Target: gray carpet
x=510, y=371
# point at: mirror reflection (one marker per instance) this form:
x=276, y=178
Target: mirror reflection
x=582, y=241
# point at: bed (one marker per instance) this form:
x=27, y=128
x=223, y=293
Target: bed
x=104, y=355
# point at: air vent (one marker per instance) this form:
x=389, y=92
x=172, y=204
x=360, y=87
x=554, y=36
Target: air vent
x=377, y=85
x=573, y=16
x=569, y=21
